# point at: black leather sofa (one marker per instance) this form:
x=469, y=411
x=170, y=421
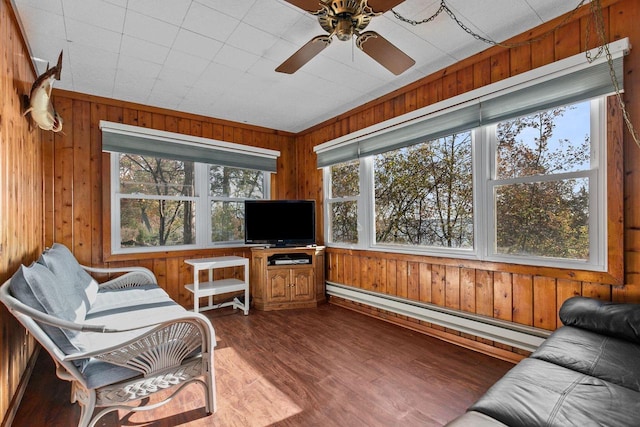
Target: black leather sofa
x=587, y=373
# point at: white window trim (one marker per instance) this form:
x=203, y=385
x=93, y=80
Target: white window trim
x=597, y=175
x=202, y=201
x=483, y=147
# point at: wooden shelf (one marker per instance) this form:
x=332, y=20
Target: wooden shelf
x=277, y=286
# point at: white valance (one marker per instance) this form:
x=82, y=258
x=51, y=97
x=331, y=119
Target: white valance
x=563, y=82
x=120, y=138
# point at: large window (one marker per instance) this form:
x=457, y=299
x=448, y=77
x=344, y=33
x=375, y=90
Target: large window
x=173, y=191
x=161, y=204
x=511, y=172
x=527, y=190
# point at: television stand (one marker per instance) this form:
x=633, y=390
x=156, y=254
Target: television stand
x=287, y=277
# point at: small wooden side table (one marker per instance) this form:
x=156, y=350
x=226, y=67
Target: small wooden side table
x=221, y=286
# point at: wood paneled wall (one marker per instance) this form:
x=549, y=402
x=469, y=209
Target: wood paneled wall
x=21, y=175
x=521, y=294
x=54, y=188
x=77, y=195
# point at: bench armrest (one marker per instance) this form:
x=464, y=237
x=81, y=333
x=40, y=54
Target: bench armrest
x=132, y=277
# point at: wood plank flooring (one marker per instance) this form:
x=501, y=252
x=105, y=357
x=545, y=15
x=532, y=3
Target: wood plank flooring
x=315, y=367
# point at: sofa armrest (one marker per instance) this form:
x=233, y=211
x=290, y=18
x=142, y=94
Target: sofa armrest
x=157, y=347
x=133, y=276
x=607, y=318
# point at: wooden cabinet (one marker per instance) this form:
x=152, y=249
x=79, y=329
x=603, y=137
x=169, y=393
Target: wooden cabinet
x=283, y=278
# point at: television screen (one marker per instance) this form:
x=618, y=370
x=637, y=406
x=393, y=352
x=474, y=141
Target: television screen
x=280, y=222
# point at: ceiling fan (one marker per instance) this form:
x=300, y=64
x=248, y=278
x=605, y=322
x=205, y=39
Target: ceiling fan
x=344, y=19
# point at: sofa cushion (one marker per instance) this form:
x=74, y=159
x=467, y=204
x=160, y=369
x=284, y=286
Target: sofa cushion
x=113, y=301
x=125, y=308
x=609, y=358
x=539, y=393
x=608, y=318
x=64, y=265
x=37, y=287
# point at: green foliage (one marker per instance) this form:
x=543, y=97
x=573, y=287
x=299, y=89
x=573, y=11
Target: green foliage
x=345, y=183
x=424, y=194
x=546, y=218
x=155, y=222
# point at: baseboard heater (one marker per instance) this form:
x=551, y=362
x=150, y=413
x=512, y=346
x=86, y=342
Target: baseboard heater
x=519, y=336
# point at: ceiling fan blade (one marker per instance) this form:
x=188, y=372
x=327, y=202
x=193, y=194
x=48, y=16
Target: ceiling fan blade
x=380, y=49
x=304, y=54
x=381, y=6
x=311, y=6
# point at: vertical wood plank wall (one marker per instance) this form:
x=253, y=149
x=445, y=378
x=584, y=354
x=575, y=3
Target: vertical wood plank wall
x=21, y=175
x=54, y=188
x=514, y=293
x=77, y=194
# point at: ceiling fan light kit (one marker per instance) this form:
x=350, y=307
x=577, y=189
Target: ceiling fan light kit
x=345, y=19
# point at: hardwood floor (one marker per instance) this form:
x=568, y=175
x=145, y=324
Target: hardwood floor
x=313, y=367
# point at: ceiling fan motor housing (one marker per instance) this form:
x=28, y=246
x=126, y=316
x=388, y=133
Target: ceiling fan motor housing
x=344, y=18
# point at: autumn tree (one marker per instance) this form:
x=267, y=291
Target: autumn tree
x=424, y=194
x=155, y=221
x=543, y=216
x=229, y=187
x=345, y=183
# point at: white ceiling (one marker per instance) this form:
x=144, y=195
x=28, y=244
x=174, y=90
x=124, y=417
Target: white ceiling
x=217, y=57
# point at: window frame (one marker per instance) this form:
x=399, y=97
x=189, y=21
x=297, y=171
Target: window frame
x=483, y=164
x=202, y=210
x=597, y=175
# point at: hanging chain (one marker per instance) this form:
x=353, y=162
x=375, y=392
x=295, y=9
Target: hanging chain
x=598, y=22
x=444, y=8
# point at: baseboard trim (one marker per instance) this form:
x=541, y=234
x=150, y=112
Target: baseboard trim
x=510, y=334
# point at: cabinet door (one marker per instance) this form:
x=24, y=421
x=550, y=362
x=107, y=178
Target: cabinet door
x=278, y=285
x=303, y=288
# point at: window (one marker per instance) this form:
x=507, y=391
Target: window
x=542, y=184
x=515, y=171
x=171, y=191
x=528, y=190
x=424, y=194
x=155, y=201
x=228, y=189
x=342, y=202
x=160, y=204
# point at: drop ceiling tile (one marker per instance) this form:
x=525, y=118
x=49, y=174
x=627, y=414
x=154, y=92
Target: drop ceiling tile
x=272, y=17
x=150, y=29
x=53, y=6
x=42, y=23
x=237, y=59
x=121, y=3
x=143, y=49
x=209, y=22
x=189, y=64
x=234, y=8
x=251, y=39
x=92, y=36
x=196, y=44
x=95, y=12
x=170, y=11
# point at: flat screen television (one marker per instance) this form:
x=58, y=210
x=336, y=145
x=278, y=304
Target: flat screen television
x=280, y=222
